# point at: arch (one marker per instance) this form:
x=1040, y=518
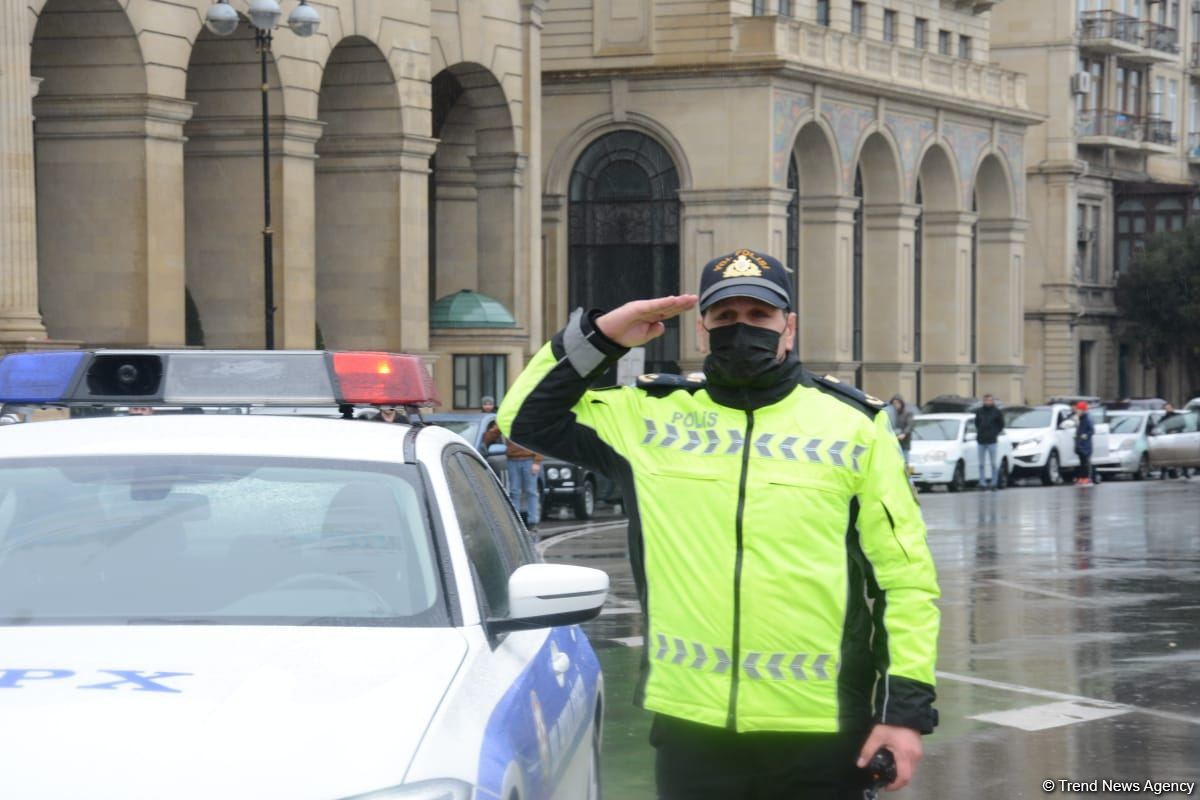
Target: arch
x=222, y=160
x=358, y=205
x=623, y=235
x=572, y=146
x=879, y=158
x=474, y=187
x=993, y=187
x=815, y=149
x=90, y=133
x=938, y=176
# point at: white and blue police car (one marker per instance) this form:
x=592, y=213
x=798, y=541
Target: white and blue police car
x=235, y=605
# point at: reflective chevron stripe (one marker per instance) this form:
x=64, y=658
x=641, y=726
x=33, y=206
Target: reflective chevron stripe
x=766, y=445
x=756, y=666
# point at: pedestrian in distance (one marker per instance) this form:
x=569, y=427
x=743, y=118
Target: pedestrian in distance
x=487, y=404
x=1084, y=431
x=989, y=424
x=903, y=421
x=522, y=467
x=769, y=512
x=391, y=414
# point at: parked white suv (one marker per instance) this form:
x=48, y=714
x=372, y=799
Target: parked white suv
x=944, y=451
x=1043, y=439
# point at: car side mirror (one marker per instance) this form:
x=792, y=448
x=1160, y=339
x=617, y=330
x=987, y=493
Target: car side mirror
x=496, y=449
x=550, y=595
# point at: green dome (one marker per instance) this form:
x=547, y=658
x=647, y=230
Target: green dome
x=467, y=309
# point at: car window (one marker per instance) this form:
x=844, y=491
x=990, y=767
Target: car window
x=935, y=430
x=970, y=426
x=223, y=540
x=495, y=543
x=1176, y=423
x=1126, y=423
x=1192, y=423
x=1027, y=418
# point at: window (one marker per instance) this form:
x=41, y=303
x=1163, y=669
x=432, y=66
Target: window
x=920, y=33
x=1094, y=256
x=823, y=12
x=889, y=26
x=494, y=542
x=476, y=376
x=1086, y=349
x=1156, y=98
x=1129, y=90
x=1173, y=105
x=758, y=7
x=785, y=8
x=964, y=47
x=858, y=13
x=944, y=42
x=1087, y=262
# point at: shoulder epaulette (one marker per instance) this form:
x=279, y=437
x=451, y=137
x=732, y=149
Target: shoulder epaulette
x=850, y=395
x=665, y=383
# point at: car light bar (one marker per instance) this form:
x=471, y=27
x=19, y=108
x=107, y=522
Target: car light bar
x=215, y=377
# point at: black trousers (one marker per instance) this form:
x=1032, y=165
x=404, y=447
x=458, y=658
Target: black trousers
x=698, y=762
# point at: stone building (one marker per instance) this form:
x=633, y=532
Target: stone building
x=869, y=144
x=1114, y=164
x=449, y=178
x=131, y=175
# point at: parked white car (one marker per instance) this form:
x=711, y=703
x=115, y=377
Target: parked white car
x=944, y=451
x=1174, y=441
x=1043, y=439
x=1128, y=441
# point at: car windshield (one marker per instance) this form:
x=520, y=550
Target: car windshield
x=1127, y=423
x=935, y=430
x=1027, y=418
x=161, y=540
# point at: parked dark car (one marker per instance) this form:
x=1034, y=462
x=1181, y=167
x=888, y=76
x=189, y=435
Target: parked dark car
x=559, y=483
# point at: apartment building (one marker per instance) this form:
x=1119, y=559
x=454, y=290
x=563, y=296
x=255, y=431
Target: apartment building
x=1114, y=164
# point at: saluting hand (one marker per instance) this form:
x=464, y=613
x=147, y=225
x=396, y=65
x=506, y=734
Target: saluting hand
x=639, y=321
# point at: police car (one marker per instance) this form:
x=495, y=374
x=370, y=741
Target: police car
x=207, y=605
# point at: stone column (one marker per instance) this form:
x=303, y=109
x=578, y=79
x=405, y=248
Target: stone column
x=20, y=321
x=555, y=252
x=888, y=299
x=533, y=268
x=500, y=232
x=1001, y=308
x=947, y=304
x=110, y=209
x=826, y=301
x=413, y=191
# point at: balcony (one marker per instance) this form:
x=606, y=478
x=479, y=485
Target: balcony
x=1122, y=131
x=1133, y=39
x=815, y=47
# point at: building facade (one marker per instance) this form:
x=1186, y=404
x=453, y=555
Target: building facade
x=870, y=145
x=1114, y=164
x=131, y=176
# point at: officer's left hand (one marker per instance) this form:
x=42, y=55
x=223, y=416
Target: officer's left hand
x=905, y=744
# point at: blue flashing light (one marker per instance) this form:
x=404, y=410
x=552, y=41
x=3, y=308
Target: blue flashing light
x=38, y=377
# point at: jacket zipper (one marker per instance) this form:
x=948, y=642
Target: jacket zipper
x=731, y=719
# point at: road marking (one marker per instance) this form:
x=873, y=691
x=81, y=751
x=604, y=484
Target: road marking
x=1029, y=690
x=546, y=544
x=630, y=641
x=1043, y=592
x=1052, y=715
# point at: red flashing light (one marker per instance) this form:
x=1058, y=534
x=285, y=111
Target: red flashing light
x=384, y=379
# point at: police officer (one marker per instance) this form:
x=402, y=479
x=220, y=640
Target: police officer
x=777, y=548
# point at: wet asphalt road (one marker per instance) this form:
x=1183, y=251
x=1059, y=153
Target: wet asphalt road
x=1069, y=651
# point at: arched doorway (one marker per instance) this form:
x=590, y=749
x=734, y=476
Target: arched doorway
x=881, y=245
x=358, y=201
x=999, y=246
x=107, y=197
x=623, y=231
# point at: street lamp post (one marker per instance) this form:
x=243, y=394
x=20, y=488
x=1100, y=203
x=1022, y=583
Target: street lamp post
x=222, y=20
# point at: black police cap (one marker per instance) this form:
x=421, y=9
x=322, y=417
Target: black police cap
x=746, y=273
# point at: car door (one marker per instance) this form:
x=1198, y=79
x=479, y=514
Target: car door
x=1100, y=439
x=1190, y=446
x=1167, y=441
x=969, y=444
x=540, y=729
x=1064, y=437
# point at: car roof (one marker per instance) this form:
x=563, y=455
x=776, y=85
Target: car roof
x=238, y=435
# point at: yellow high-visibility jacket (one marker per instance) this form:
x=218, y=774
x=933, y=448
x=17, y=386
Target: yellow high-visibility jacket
x=778, y=549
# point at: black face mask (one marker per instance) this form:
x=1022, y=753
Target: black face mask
x=744, y=357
